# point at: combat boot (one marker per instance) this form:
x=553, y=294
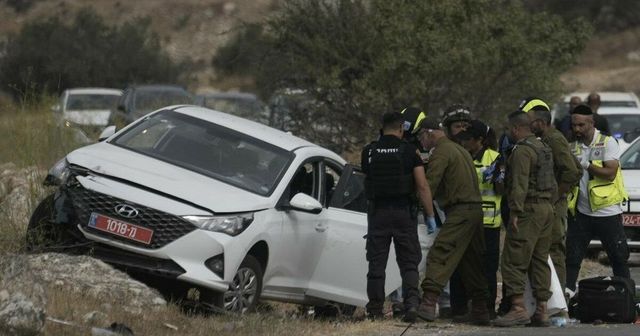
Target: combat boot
x=479, y=313
x=427, y=309
x=540, y=318
x=516, y=316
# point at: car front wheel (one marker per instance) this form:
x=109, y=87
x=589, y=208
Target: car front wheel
x=245, y=289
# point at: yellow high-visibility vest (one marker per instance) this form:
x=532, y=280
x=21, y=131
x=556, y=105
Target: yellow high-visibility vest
x=490, y=200
x=602, y=193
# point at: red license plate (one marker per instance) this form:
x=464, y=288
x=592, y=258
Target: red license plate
x=120, y=228
x=631, y=219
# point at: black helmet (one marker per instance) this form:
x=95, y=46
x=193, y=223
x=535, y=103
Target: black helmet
x=412, y=118
x=456, y=112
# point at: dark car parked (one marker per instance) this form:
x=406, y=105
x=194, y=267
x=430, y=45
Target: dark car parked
x=138, y=100
x=243, y=104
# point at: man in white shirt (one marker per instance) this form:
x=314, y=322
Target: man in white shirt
x=598, y=210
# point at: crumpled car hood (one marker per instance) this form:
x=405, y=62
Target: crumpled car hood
x=219, y=197
x=88, y=117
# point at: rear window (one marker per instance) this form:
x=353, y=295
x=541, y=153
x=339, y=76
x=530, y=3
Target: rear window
x=618, y=104
x=210, y=149
x=619, y=124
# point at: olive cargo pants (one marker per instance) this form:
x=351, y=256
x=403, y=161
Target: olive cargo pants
x=558, y=248
x=460, y=243
x=527, y=251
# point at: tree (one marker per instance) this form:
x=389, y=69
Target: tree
x=361, y=58
x=48, y=56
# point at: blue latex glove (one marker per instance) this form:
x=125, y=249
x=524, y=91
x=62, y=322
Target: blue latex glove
x=431, y=225
x=487, y=174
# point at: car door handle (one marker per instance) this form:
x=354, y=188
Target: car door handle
x=321, y=227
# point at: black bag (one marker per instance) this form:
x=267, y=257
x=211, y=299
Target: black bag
x=609, y=299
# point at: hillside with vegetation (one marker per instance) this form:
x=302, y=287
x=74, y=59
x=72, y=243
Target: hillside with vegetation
x=192, y=30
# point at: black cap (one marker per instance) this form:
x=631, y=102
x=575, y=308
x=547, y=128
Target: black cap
x=430, y=123
x=582, y=109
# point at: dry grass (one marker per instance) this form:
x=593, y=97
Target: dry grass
x=32, y=142
x=282, y=319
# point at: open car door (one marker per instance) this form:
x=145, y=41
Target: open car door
x=341, y=272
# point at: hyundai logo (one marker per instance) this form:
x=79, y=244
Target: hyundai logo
x=125, y=210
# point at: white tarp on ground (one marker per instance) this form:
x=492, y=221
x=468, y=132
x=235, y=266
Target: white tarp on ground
x=555, y=304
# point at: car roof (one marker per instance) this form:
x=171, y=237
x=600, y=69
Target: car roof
x=605, y=96
x=259, y=131
x=604, y=110
x=94, y=90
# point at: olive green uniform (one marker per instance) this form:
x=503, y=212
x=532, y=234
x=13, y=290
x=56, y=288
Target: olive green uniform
x=526, y=251
x=567, y=171
x=460, y=243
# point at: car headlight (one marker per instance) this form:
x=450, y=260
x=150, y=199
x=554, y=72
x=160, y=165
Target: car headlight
x=231, y=225
x=58, y=174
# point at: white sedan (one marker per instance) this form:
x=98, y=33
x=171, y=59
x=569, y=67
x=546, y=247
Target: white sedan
x=630, y=163
x=206, y=200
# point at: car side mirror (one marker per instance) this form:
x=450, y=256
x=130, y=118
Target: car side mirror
x=56, y=108
x=107, y=132
x=306, y=203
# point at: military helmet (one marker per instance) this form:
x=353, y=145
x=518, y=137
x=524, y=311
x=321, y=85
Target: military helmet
x=456, y=112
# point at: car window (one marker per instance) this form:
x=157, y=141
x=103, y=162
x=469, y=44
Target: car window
x=630, y=159
x=148, y=100
x=619, y=124
x=331, y=178
x=247, y=108
x=305, y=181
x=91, y=102
x=618, y=103
x=352, y=196
x=210, y=149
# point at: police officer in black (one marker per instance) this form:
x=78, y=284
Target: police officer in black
x=394, y=174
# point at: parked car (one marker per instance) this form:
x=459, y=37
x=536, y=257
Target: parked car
x=86, y=110
x=630, y=164
x=138, y=100
x=298, y=112
x=624, y=123
x=209, y=201
x=242, y=104
x=607, y=100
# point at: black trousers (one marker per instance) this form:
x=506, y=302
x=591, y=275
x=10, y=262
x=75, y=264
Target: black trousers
x=458, y=296
x=386, y=224
x=582, y=229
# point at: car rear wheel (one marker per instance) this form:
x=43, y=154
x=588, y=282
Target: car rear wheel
x=245, y=289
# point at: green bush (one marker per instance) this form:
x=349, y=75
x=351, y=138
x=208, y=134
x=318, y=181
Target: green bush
x=360, y=58
x=49, y=55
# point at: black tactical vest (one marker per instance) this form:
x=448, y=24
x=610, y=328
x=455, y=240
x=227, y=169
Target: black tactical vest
x=387, y=176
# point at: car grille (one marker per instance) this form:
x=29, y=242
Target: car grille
x=166, y=227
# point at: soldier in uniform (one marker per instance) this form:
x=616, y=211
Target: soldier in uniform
x=394, y=172
x=480, y=140
x=460, y=242
x=530, y=185
x=567, y=172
